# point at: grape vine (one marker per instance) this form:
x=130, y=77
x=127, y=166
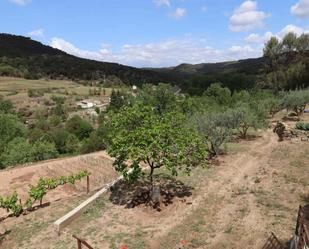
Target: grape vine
x=37, y=192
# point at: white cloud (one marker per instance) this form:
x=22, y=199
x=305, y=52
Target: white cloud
x=263, y=38
x=36, y=33
x=170, y=52
x=292, y=28
x=20, y=2
x=301, y=9
x=178, y=13
x=247, y=17
x=257, y=38
x=68, y=47
x=240, y=49
x=162, y=2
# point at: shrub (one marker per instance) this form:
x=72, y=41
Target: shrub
x=79, y=127
x=296, y=101
x=302, y=126
x=95, y=142
x=59, y=137
x=20, y=151
x=6, y=106
x=215, y=130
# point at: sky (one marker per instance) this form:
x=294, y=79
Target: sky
x=155, y=33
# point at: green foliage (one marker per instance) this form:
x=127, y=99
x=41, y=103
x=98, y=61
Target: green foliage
x=60, y=137
x=20, y=151
x=72, y=144
x=10, y=127
x=6, y=106
x=220, y=95
x=245, y=116
x=117, y=100
x=287, y=62
x=141, y=135
x=10, y=204
x=96, y=141
x=303, y=43
x=289, y=42
x=37, y=192
x=302, y=126
x=42, y=150
x=296, y=101
x=215, y=128
x=162, y=97
x=272, y=49
x=33, y=93
x=79, y=127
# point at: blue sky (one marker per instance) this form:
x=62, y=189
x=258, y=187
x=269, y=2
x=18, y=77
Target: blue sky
x=155, y=33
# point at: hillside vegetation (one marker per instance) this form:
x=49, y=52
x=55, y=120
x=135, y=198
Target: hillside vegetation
x=20, y=56
x=284, y=66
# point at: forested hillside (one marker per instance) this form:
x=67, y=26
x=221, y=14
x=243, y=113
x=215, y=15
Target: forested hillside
x=22, y=57
x=284, y=66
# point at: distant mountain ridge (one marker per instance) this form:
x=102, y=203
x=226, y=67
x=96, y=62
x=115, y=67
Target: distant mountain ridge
x=24, y=57
x=21, y=56
x=245, y=66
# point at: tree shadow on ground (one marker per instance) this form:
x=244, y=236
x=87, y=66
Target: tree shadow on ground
x=138, y=193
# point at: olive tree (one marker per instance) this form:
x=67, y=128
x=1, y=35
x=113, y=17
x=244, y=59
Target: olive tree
x=140, y=135
x=215, y=129
x=296, y=101
x=245, y=116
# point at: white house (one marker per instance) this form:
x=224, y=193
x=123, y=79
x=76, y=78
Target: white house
x=85, y=104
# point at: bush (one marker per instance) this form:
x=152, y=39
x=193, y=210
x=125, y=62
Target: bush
x=94, y=143
x=10, y=128
x=79, y=127
x=215, y=130
x=6, y=106
x=59, y=137
x=72, y=144
x=296, y=101
x=43, y=150
x=244, y=117
x=20, y=151
x=302, y=126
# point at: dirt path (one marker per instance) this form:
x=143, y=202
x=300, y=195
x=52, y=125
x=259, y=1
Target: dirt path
x=246, y=198
x=238, y=176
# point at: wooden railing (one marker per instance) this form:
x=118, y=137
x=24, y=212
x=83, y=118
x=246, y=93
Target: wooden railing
x=301, y=230
x=299, y=219
x=303, y=239
x=81, y=242
x=273, y=243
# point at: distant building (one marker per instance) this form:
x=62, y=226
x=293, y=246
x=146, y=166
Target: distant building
x=85, y=104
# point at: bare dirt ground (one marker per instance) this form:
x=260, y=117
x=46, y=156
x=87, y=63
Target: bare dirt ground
x=18, y=178
x=256, y=189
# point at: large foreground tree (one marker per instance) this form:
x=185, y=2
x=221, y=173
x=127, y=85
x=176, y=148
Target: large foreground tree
x=141, y=136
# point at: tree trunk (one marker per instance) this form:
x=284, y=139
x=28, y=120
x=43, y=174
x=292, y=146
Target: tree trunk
x=151, y=178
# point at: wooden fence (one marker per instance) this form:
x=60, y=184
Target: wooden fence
x=273, y=243
x=81, y=242
x=301, y=230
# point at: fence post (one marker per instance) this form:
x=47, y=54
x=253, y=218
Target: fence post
x=79, y=244
x=88, y=184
